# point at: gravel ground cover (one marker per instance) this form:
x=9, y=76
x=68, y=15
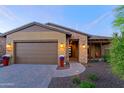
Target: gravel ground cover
x=105, y=77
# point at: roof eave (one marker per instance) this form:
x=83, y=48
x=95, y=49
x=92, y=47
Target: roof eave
x=52, y=24
x=31, y=24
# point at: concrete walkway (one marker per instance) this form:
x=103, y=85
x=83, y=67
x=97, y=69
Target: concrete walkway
x=34, y=76
x=75, y=69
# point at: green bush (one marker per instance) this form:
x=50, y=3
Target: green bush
x=87, y=84
x=117, y=55
x=106, y=57
x=92, y=77
x=117, y=49
x=76, y=81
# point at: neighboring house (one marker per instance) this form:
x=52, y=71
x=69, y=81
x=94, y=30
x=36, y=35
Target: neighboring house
x=43, y=44
x=2, y=45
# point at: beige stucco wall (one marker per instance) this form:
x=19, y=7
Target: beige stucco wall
x=37, y=33
x=83, y=40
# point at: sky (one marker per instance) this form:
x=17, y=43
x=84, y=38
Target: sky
x=96, y=20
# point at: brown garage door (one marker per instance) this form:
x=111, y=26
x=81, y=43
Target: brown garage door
x=36, y=53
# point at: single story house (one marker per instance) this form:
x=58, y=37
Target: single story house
x=37, y=43
x=2, y=45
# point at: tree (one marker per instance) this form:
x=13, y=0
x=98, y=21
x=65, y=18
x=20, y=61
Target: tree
x=119, y=18
x=117, y=49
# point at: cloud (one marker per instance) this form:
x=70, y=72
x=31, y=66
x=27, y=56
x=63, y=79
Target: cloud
x=3, y=27
x=98, y=20
x=6, y=13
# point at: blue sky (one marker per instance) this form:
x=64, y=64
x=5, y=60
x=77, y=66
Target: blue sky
x=95, y=20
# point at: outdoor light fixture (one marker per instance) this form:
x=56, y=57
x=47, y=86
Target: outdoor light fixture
x=84, y=46
x=9, y=47
x=61, y=45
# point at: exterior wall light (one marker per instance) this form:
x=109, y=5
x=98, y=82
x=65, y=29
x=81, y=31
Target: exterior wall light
x=84, y=46
x=9, y=47
x=61, y=45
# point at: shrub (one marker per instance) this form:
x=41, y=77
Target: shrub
x=92, y=77
x=106, y=57
x=87, y=84
x=117, y=49
x=76, y=81
x=117, y=55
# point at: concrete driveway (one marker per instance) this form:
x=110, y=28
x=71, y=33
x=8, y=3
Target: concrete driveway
x=34, y=76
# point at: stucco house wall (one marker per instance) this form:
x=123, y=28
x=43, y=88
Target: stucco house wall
x=37, y=33
x=83, y=40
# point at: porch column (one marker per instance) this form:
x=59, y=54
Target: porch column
x=101, y=50
x=90, y=50
x=67, y=51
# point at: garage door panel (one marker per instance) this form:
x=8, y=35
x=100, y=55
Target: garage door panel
x=36, y=53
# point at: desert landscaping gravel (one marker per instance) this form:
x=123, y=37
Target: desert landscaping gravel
x=101, y=69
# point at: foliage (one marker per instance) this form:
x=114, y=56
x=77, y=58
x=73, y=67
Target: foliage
x=119, y=18
x=117, y=54
x=117, y=48
x=106, y=57
x=92, y=77
x=87, y=84
x=76, y=81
